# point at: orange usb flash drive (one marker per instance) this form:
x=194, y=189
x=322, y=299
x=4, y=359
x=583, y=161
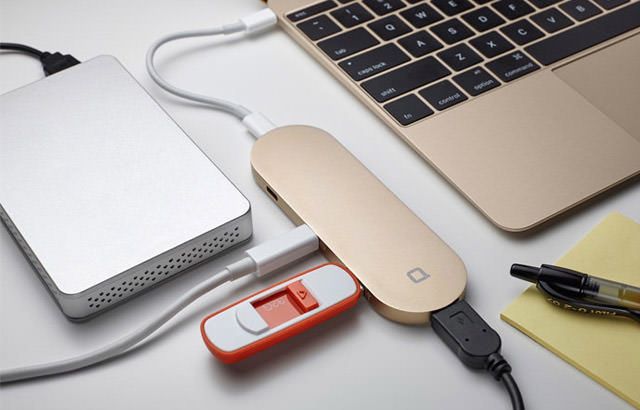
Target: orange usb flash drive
x=279, y=312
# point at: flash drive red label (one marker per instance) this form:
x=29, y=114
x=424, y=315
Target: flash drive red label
x=277, y=309
x=279, y=312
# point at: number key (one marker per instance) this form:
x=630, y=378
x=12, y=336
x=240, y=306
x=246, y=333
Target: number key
x=382, y=7
x=318, y=27
x=352, y=15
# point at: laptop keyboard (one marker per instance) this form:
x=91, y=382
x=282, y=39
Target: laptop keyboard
x=416, y=57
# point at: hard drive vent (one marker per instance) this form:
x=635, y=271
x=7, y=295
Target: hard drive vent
x=150, y=273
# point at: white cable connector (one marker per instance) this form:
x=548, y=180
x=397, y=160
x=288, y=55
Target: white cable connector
x=259, y=260
x=279, y=252
x=257, y=124
x=259, y=21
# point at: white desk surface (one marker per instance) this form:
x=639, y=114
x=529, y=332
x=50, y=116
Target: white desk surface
x=358, y=360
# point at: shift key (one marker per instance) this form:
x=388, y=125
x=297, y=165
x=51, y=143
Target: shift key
x=404, y=79
x=374, y=62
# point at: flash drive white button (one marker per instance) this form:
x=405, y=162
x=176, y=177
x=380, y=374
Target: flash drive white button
x=249, y=319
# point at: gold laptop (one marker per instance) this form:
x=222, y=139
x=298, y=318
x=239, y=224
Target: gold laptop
x=528, y=107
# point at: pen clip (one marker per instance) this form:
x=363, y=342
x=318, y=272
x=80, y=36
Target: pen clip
x=558, y=298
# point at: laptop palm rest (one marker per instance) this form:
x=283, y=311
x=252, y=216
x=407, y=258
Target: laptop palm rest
x=609, y=80
x=530, y=151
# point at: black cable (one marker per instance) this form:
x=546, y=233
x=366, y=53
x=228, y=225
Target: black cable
x=476, y=344
x=514, y=392
x=51, y=62
x=21, y=48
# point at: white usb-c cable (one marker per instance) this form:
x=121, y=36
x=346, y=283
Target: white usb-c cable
x=259, y=260
x=256, y=123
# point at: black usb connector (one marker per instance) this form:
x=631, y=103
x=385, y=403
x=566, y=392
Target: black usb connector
x=55, y=62
x=476, y=344
x=51, y=62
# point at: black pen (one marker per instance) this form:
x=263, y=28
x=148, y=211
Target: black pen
x=581, y=292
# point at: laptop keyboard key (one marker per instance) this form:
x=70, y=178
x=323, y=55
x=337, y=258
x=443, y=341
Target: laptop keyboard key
x=522, y=32
x=586, y=35
x=409, y=109
x=491, y=44
x=580, y=9
x=476, y=81
x=318, y=27
x=404, y=79
x=611, y=4
x=345, y=44
x=483, y=19
x=452, y=31
x=420, y=44
x=512, y=66
x=459, y=57
x=421, y=15
x=513, y=9
x=452, y=7
x=443, y=95
x=373, y=62
x=544, y=3
x=389, y=28
x=551, y=20
x=382, y=7
x=352, y=15
x=311, y=10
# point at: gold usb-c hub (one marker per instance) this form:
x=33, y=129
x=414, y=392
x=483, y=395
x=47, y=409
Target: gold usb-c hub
x=406, y=269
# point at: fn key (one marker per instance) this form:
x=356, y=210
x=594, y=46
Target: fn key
x=407, y=110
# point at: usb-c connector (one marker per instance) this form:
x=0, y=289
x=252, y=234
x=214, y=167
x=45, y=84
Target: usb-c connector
x=257, y=124
x=259, y=20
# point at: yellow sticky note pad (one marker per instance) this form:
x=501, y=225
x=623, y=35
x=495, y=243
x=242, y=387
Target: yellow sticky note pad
x=606, y=349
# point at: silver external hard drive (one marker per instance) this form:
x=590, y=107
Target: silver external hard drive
x=103, y=192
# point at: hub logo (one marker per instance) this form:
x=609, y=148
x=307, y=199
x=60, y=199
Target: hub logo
x=417, y=275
